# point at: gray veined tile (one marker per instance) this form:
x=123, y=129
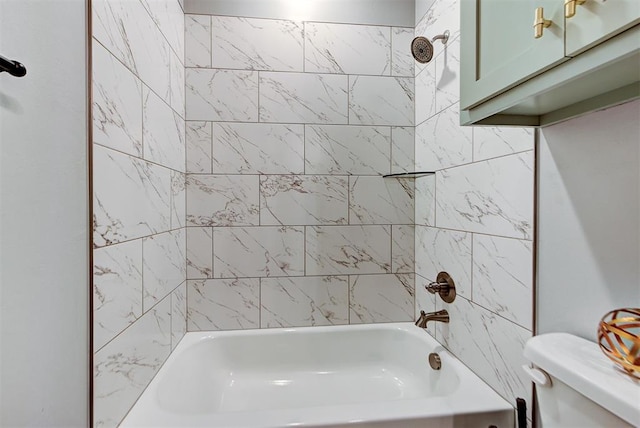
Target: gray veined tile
x=251, y=148
x=448, y=75
x=442, y=143
x=336, y=250
x=199, y=252
x=491, y=142
x=493, y=197
x=402, y=149
x=440, y=250
x=303, y=200
x=345, y=149
x=403, y=249
x=199, y=142
x=377, y=100
x=256, y=44
x=381, y=298
x=131, y=197
x=258, y=251
x=124, y=368
x=169, y=17
x=304, y=301
x=178, y=314
x=222, y=200
x=177, y=86
x=489, y=345
x=197, y=41
x=117, y=104
x=378, y=200
x=502, y=277
x=402, y=62
x=164, y=265
x=117, y=289
x=223, y=304
x=178, y=199
x=426, y=200
x=426, y=93
x=303, y=98
x=222, y=95
x=347, y=49
x=425, y=301
x=163, y=133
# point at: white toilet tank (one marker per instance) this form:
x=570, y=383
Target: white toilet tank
x=577, y=386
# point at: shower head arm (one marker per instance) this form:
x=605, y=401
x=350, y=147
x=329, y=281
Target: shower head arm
x=444, y=37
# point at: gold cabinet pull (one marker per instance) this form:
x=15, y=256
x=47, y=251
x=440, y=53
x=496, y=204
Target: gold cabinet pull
x=570, y=7
x=539, y=23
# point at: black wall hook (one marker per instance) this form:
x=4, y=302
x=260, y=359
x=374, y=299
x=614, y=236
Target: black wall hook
x=14, y=68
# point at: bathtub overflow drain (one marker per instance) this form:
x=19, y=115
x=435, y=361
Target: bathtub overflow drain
x=434, y=361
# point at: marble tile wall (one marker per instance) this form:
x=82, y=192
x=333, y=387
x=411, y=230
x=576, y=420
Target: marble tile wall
x=289, y=127
x=139, y=197
x=473, y=218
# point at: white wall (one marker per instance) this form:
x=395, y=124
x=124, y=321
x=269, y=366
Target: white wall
x=589, y=220
x=44, y=219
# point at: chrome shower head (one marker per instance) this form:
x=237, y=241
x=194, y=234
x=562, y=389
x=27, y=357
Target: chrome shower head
x=422, y=48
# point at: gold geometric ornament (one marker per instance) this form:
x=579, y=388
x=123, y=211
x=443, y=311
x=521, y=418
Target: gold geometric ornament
x=619, y=338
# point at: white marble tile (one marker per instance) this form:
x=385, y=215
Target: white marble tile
x=199, y=142
x=335, y=250
x=163, y=133
x=402, y=62
x=222, y=200
x=117, y=289
x=490, y=142
x=403, y=248
x=381, y=298
x=502, y=277
x=256, y=44
x=223, y=304
x=347, y=49
x=303, y=200
x=443, y=15
x=426, y=93
x=199, y=252
x=303, y=98
x=177, y=86
x=164, y=266
x=178, y=314
x=222, y=95
x=125, y=28
x=169, y=17
x=178, y=199
x=117, y=104
x=425, y=301
x=258, y=251
x=448, y=75
x=402, y=149
x=422, y=6
x=197, y=41
x=440, y=250
x=489, y=345
x=381, y=100
x=131, y=197
x=258, y=148
x=304, y=301
x=426, y=200
x=344, y=149
x=378, y=200
x=493, y=197
x=442, y=143
x=124, y=368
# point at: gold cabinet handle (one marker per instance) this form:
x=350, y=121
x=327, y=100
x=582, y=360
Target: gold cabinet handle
x=539, y=23
x=570, y=7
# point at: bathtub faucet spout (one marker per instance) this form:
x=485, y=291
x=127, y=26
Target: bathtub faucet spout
x=440, y=316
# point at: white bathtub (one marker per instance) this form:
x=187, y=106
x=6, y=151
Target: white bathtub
x=360, y=376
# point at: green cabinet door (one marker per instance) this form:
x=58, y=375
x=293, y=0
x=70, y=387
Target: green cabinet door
x=498, y=46
x=597, y=20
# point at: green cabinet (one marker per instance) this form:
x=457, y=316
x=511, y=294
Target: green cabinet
x=587, y=56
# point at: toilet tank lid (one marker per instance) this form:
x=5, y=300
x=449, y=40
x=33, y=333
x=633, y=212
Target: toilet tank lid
x=581, y=365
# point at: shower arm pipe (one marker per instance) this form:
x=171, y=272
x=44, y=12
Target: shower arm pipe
x=444, y=37
x=12, y=67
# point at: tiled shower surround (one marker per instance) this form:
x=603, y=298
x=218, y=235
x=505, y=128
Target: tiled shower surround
x=290, y=126
x=474, y=218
